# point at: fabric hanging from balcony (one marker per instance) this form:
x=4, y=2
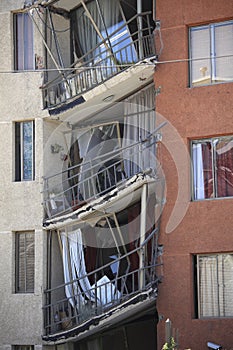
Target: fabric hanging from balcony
x=71, y=290
x=73, y=252
x=74, y=268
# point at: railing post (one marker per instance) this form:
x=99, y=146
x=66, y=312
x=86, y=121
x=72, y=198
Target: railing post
x=140, y=44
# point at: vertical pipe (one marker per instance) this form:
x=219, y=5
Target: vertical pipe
x=168, y=331
x=154, y=10
x=140, y=44
x=142, y=237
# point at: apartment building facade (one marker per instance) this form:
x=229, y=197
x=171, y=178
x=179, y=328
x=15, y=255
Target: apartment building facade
x=195, y=79
x=102, y=102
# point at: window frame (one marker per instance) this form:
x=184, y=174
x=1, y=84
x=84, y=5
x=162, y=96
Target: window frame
x=21, y=47
x=220, y=287
x=213, y=168
x=19, y=151
x=212, y=52
x=18, y=288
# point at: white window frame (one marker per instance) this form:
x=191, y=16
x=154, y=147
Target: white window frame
x=214, y=285
x=211, y=57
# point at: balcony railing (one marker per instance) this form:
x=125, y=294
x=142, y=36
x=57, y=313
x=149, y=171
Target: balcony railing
x=102, y=62
x=85, y=308
x=78, y=185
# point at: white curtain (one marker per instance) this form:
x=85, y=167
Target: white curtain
x=71, y=290
x=105, y=17
x=198, y=176
x=78, y=261
x=208, y=289
x=73, y=257
x=74, y=267
x=215, y=285
x=139, y=122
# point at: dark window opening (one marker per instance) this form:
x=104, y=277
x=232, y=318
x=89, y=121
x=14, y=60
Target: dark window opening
x=25, y=262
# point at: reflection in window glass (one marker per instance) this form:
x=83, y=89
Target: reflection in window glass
x=212, y=168
x=24, y=151
x=211, y=53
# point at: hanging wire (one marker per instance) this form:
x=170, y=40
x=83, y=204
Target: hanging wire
x=182, y=60
x=51, y=29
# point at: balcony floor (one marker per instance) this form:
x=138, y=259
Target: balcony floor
x=128, y=81
x=135, y=307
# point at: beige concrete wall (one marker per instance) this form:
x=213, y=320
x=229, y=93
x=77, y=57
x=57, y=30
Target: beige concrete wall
x=21, y=317
x=21, y=320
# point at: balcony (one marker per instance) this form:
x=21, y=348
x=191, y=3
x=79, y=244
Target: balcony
x=106, y=181
x=113, y=289
x=102, y=213
x=119, y=52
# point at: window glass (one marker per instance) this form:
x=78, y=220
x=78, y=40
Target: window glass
x=212, y=168
x=25, y=256
x=23, y=42
x=201, y=66
x=211, y=50
x=224, y=47
x=24, y=151
x=215, y=285
x=27, y=150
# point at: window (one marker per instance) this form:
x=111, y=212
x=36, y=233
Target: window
x=25, y=262
x=211, y=50
x=23, y=42
x=214, y=285
x=23, y=347
x=212, y=167
x=24, y=151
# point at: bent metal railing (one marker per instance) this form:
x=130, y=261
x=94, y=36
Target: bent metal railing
x=102, y=62
x=67, y=312
x=78, y=185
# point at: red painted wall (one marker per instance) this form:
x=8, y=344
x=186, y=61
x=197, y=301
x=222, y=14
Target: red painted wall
x=207, y=226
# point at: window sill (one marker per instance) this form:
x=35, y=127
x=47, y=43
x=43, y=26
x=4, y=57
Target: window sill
x=204, y=84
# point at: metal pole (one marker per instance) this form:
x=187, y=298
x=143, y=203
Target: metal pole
x=168, y=331
x=139, y=11
x=142, y=237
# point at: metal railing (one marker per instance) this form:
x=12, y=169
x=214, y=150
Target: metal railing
x=66, y=312
x=102, y=62
x=78, y=185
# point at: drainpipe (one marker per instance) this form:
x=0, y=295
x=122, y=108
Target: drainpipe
x=154, y=11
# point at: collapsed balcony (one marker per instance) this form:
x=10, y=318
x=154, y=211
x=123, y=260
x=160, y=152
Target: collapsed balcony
x=117, y=287
x=108, y=177
x=102, y=214
x=115, y=53
x=107, y=236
